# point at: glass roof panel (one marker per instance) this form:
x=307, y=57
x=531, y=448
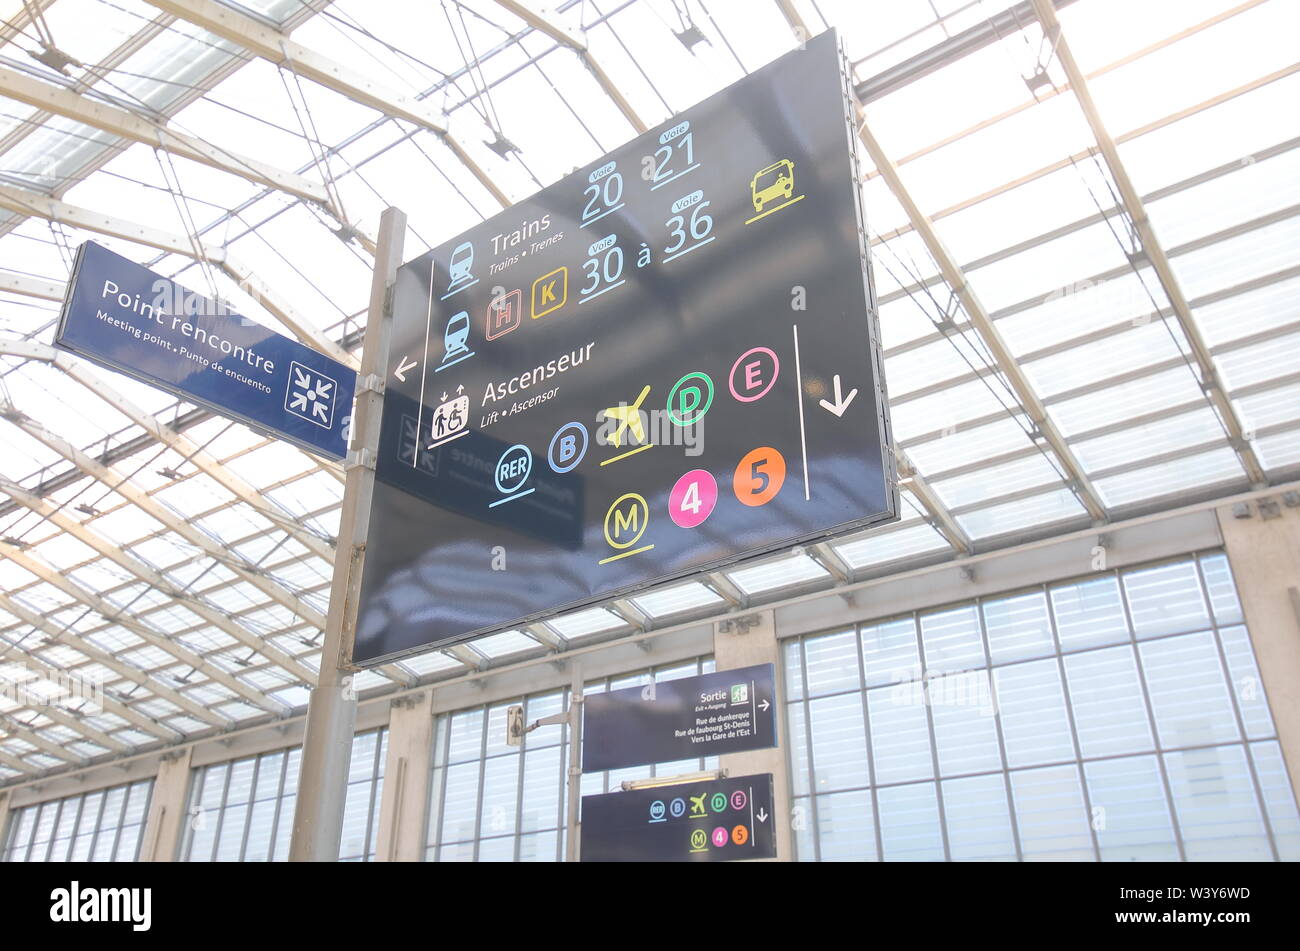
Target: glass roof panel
x=1049, y=507
x=780, y=573
x=1228, y=263
x=507, y=642
x=963, y=446
x=1137, y=347
x=585, y=623
x=995, y=481
x=1002, y=152
x=1189, y=473
x=676, y=598
x=1148, y=393
x=1254, y=189
x=946, y=409
x=1199, y=426
x=1050, y=266
x=880, y=547
x=1096, y=42
x=1269, y=407
x=1081, y=307
x=1021, y=213
x=1264, y=30
x=1228, y=133
x=1269, y=360
x=1280, y=450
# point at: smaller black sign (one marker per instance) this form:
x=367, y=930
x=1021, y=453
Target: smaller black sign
x=729, y=711
x=717, y=820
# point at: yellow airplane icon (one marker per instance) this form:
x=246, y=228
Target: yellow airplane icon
x=629, y=417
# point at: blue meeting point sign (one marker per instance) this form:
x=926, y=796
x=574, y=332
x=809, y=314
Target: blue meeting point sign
x=123, y=316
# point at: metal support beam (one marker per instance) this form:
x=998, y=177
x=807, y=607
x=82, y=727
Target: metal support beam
x=51, y=209
x=979, y=318
x=13, y=762
x=28, y=286
x=991, y=30
x=76, y=722
x=301, y=328
x=98, y=115
x=466, y=656
x=549, y=22
x=34, y=204
x=332, y=709
x=1155, y=253
x=542, y=631
x=276, y=47
x=16, y=728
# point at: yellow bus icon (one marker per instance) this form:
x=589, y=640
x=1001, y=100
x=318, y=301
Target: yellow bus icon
x=775, y=181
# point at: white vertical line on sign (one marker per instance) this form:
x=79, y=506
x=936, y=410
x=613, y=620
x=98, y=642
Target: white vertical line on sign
x=424, y=368
x=753, y=830
x=803, y=439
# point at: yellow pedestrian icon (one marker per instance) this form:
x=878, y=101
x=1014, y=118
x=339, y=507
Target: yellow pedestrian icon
x=772, y=189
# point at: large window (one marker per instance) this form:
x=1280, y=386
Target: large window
x=1119, y=717
x=101, y=826
x=492, y=802
x=242, y=811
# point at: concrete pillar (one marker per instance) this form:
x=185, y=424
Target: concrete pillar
x=758, y=645
x=404, y=806
x=1263, y=544
x=4, y=819
x=166, y=820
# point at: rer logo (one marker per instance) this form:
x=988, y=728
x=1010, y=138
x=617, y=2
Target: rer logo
x=310, y=395
x=550, y=292
x=511, y=472
x=625, y=523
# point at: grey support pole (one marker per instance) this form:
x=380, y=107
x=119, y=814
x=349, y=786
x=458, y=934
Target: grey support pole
x=332, y=709
x=574, y=841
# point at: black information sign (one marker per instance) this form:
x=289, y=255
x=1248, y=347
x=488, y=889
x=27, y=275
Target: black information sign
x=729, y=711
x=661, y=364
x=716, y=820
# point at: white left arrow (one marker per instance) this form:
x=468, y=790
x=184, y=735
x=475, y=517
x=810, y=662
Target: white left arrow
x=402, y=367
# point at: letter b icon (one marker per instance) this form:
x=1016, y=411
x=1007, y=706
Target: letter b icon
x=568, y=446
